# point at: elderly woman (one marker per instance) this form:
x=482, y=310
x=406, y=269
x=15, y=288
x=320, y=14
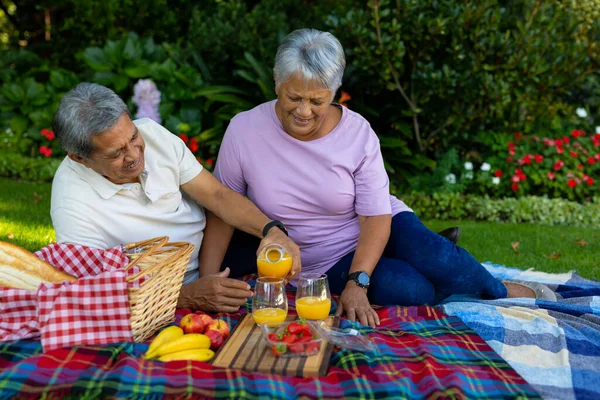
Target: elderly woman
x=317, y=168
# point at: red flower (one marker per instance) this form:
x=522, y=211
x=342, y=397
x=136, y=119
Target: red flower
x=210, y=162
x=45, y=151
x=574, y=154
x=559, y=149
x=558, y=142
x=572, y=183
x=518, y=136
x=498, y=173
x=579, y=166
x=550, y=175
x=591, y=160
x=566, y=139
x=536, y=138
x=519, y=173
x=48, y=134
x=509, y=159
x=193, y=145
x=515, y=179
x=597, y=157
x=514, y=187
x=511, y=151
x=344, y=97
x=590, y=180
x=577, y=132
x=184, y=137
x=558, y=165
x=539, y=158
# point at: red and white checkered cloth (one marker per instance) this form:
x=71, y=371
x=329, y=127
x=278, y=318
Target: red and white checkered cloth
x=92, y=310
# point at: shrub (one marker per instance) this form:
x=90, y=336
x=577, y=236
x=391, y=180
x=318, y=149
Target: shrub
x=527, y=209
x=34, y=169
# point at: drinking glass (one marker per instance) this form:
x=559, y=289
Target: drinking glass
x=313, y=301
x=269, y=303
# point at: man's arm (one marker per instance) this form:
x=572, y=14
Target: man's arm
x=237, y=211
x=217, y=236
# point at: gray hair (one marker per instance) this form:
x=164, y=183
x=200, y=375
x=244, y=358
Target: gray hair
x=86, y=111
x=314, y=54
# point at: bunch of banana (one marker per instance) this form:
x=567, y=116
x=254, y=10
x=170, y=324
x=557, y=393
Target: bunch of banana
x=172, y=344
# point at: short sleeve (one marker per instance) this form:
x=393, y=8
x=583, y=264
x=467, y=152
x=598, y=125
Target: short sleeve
x=72, y=227
x=228, y=169
x=372, y=188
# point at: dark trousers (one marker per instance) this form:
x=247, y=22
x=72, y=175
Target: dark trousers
x=417, y=267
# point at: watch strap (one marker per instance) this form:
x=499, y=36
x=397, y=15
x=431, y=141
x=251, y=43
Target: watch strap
x=271, y=224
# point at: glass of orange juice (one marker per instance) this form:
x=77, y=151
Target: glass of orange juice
x=313, y=300
x=269, y=304
x=274, y=260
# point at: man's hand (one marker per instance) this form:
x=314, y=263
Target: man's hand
x=276, y=235
x=215, y=293
x=356, y=304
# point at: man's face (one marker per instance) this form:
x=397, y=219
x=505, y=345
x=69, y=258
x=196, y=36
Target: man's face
x=119, y=154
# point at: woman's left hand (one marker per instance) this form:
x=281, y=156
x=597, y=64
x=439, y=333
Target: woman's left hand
x=356, y=304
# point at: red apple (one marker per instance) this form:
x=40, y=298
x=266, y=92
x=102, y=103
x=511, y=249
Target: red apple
x=216, y=339
x=205, y=318
x=192, y=323
x=219, y=326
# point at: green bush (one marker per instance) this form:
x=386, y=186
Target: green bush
x=528, y=209
x=33, y=169
x=431, y=74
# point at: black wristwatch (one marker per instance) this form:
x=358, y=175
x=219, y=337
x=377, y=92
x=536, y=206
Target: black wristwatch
x=271, y=224
x=361, y=278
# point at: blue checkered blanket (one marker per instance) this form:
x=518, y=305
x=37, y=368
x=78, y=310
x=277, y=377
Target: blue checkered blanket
x=555, y=346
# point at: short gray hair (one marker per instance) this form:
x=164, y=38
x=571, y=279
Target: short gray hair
x=86, y=111
x=314, y=54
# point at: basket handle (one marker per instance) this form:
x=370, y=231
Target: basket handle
x=154, y=244
x=185, y=249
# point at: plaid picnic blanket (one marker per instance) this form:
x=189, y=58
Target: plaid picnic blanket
x=555, y=346
x=422, y=353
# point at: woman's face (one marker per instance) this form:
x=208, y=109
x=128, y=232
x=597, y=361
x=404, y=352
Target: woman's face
x=302, y=107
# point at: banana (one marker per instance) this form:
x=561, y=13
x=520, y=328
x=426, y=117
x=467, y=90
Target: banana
x=190, y=341
x=195, y=354
x=165, y=336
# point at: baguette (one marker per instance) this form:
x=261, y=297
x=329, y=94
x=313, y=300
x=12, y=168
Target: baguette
x=22, y=270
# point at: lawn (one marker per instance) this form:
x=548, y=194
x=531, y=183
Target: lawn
x=25, y=221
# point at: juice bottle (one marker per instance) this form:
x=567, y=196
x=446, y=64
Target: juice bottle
x=274, y=260
x=313, y=307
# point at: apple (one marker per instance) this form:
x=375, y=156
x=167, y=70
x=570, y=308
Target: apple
x=219, y=326
x=216, y=339
x=192, y=323
x=205, y=318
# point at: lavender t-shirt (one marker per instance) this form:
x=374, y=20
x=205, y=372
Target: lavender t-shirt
x=316, y=188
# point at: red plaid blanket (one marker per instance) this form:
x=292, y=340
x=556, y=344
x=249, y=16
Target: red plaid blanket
x=92, y=310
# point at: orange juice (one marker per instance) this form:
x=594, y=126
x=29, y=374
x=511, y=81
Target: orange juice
x=274, y=264
x=269, y=316
x=312, y=307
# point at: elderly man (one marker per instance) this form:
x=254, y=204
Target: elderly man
x=125, y=181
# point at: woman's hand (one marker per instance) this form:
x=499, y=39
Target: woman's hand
x=276, y=235
x=356, y=304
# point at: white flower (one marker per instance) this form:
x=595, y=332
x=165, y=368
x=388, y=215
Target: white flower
x=598, y=129
x=469, y=174
x=451, y=178
x=485, y=166
x=495, y=180
x=581, y=112
x=468, y=165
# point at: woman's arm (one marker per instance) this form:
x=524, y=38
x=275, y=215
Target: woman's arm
x=374, y=235
x=217, y=236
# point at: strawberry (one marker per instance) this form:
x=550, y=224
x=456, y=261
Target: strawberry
x=279, y=349
x=297, y=327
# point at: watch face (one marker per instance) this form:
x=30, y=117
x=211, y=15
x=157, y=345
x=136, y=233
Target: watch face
x=363, y=279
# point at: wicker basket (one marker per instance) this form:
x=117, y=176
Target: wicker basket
x=162, y=267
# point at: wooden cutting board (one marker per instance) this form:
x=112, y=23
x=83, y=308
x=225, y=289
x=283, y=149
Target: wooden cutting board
x=247, y=350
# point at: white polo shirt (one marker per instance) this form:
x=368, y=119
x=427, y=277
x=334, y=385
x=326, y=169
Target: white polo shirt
x=89, y=210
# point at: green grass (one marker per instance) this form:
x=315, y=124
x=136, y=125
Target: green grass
x=25, y=208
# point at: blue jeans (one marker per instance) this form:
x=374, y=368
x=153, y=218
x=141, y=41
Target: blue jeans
x=417, y=267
